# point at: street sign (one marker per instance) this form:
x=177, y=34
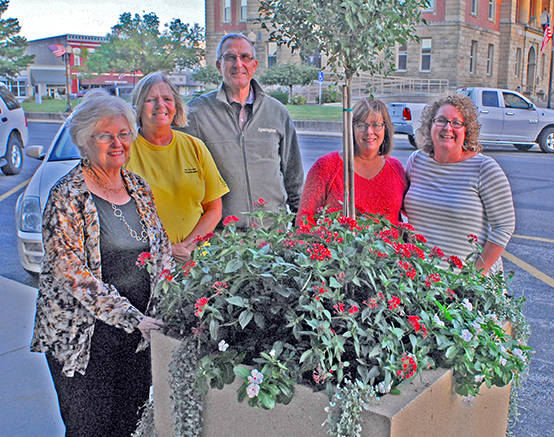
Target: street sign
x=321, y=76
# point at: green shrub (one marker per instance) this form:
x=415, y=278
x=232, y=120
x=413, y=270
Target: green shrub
x=298, y=100
x=282, y=96
x=330, y=95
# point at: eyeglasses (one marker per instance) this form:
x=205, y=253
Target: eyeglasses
x=123, y=137
x=245, y=58
x=442, y=122
x=362, y=127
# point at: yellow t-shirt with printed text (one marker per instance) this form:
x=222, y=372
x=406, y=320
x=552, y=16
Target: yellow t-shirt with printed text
x=182, y=175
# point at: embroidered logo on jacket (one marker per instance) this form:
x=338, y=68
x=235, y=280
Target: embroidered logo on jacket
x=190, y=170
x=267, y=129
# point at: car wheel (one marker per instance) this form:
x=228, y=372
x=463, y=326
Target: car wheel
x=523, y=147
x=14, y=156
x=411, y=140
x=546, y=140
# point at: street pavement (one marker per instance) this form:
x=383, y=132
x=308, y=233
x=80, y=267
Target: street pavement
x=29, y=407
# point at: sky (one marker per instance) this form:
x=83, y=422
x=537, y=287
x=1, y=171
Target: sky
x=45, y=18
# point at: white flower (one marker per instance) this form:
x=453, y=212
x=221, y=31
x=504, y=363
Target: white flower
x=256, y=378
x=503, y=361
x=382, y=388
x=272, y=353
x=467, y=304
x=466, y=335
x=493, y=317
x=479, y=378
x=252, y=390
x=503, y=349
x=223, y=346
x=437, y=320
x=519, y=353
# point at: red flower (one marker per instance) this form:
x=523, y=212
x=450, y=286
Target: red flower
x=205, y=238
x=450, y=293
x=392, y=233
x=414, y=321
x=472, y=238
x=420, y=238
x=407, y=226
x=349, y=221
x=394, y=302
x=435, y=277
x=260, y=203
x=143, y=258
x=353, y=309
x=199, y=305
x=188, y=266
x=166, y=274
x=372, y=303
x=339, y=308
x=230, y=219
x=410, y=270
x=455, y=261
x=319, y=252
x=409, y=367
x=220, y=286
x=437, y=252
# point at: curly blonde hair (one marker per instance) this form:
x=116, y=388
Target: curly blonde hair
x=467, y=110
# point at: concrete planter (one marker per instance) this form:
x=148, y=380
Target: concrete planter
x=428, y=407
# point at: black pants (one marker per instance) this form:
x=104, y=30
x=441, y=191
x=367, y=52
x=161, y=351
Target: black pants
x=105, y=402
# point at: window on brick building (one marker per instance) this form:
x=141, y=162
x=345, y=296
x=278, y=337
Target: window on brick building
x=271, y=54
x=402, y=58
x=227, y=11
x=474, y=6
x=430, y=6
x=243, y=10
x=491, y=9
x=518, y=63
x=473, y=58
x=490, y=58
x=426, y=44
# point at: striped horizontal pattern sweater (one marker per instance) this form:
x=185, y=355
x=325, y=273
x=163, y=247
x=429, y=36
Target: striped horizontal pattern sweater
x=447, y=202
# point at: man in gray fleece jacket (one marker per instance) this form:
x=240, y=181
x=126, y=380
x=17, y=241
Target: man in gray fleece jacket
x=249, y=134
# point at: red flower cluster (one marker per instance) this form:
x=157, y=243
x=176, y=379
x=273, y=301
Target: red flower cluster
x=437, y=252
x=199, y=305
x=220, y=286
x=143, y=258
x=321, y=290
x=260, y=202
x=319, y=252
x=339, y=308
x=166, y=274
x=410, y=270
x=205, y=238
x=472, y=238
x=450, y=293
x=432, y=278
x=349, y=221
x=230, y=219
x=415, y=322
x=390, y=233
x=455, y=261
x=408, y=249
x=353, y=309
x=328, y=236
x=341, y=278
x=372, y=303
x=394, y=302
x=407, y=226
x=409, y=367
x=188, y=266
x=420, y=238
x=381, y=254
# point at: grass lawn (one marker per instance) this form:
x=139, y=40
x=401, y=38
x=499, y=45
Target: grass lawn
x=297, y=112
x=315, y=112
x=49, y=105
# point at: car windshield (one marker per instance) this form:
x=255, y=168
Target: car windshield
x=64, y=149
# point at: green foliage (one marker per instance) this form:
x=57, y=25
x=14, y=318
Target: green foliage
x=343, y=300
x=137, y=44
x=330, y=95
x=282, y=96
x=298, y=100
x=355, y=35
x=207, y=75
x=12, y=46
x=289, y=75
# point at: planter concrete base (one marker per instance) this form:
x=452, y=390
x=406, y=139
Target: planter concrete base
x=428, y=407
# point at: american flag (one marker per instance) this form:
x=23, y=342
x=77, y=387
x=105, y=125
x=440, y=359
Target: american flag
x=547, y=37
x=57, y=49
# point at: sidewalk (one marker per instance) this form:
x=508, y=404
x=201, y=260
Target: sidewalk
x=28, y=404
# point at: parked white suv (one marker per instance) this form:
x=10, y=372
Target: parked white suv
x=13, y=132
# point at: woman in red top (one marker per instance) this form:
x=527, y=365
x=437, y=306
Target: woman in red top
x=379, y=178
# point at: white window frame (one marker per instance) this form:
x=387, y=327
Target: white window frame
x=473, y=57
x=518, y=62
x=271, y=54
x=227, y=11
x=490, y=59
x=474, y=7
x=426, y=48
x=491, y=9
x=431, y=7
x=402, y=52
x=243, y=11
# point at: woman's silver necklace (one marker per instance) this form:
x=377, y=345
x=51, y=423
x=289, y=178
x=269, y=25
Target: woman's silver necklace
x=116, y=211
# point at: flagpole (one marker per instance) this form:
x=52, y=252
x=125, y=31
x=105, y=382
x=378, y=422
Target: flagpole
x=549, y=106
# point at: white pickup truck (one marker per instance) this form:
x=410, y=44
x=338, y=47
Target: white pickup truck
x=506, y=117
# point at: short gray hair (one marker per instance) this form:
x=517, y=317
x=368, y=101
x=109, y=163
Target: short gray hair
x=97, y=106
x=233, y=36
x=143, y=88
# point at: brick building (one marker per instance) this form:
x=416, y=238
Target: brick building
x=468, y=42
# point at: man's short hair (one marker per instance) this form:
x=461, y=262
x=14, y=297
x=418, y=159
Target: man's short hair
x=233, y=36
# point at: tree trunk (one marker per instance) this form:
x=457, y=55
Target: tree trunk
x=348, y=208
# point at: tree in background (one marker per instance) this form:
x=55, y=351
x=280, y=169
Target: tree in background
x=137, y=44
x=207, y=75
x=354, y=35
x=289, y=75
x=12, y=46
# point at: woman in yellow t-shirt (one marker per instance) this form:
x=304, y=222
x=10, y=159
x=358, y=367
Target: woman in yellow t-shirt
x=183, y=176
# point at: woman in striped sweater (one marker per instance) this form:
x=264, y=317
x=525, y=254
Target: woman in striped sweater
x=455, y=193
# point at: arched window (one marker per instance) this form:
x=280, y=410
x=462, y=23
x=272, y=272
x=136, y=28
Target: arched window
x=531, y=67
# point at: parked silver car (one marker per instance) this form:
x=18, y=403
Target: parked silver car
x=13, y=132
x=59, y=159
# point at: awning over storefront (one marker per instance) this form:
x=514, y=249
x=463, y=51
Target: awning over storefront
x=48, y=77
